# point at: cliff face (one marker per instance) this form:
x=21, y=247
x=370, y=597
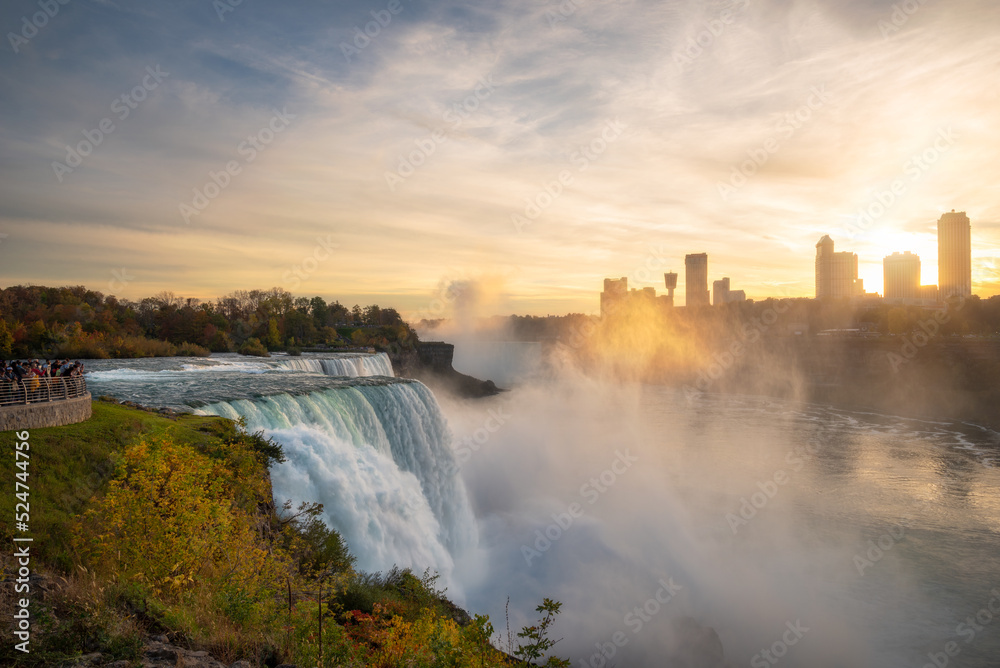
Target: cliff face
x=431, y=363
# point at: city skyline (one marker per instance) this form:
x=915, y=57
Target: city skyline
x=836, y=274
x=378, y=156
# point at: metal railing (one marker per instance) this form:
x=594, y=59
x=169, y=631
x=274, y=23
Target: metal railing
x=39, y=389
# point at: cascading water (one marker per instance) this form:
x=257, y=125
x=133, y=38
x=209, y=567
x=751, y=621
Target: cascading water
x=764, y=513
x=379, y=459
x=345, y=365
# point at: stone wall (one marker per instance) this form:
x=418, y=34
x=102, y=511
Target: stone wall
x=47, y=414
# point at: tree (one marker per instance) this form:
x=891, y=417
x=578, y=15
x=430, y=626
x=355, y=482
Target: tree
x=539, y=636
x=38, y=336
x=300, y=326
x=220, y=343
x=390, y=316
x=338, y=313
x=899, y=321
x=320, y=311
x=373, y=315
x=6, y=340
x=273, y=335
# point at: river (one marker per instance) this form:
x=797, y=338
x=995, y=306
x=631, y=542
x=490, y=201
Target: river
x=802, y=535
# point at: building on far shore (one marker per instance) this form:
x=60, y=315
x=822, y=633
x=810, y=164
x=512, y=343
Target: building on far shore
x=670, y=280
x=720, y=291
x=696, y=280
x=836, y=273
x=901, y=277
x=615, y=291
x=616, y=295
x=722, y=294
x=954, y=233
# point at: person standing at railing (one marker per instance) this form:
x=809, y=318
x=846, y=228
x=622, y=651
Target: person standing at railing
x=34, y=379
x=47, y=382
x=8, y=384
x=31, y=381
x=19, y=374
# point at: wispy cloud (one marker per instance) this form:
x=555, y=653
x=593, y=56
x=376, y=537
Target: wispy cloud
x=558, y=83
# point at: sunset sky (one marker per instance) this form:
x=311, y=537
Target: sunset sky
x=400, y=163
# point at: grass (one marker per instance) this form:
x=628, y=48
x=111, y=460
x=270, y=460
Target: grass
x=68, y=468
x=69, y=464
x=145, y=523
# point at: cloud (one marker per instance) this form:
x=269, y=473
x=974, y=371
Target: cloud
x=560, y=77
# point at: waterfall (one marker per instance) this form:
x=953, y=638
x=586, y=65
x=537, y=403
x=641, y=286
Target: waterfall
x=344, y=365
x=379, y=459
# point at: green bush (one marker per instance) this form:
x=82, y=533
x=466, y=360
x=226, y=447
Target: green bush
x=254, y=347
x=81, y=349
x=192, y=350
x=316, y=548
x=399, y=590
x=221, y=343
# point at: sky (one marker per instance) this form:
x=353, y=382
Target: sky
x=381, y=151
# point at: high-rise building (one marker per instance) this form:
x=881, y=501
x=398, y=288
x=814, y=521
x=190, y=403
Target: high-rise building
x=696, y=279
x=901, y=273
x=954, y=255
x=618, y=300
x=836, y=273
x=720, y=291
x=615, y=291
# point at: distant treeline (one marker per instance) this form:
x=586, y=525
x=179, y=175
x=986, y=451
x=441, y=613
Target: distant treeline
x=972, y=316
x=74, y=322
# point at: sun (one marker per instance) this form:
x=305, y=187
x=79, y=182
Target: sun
x=875, y=244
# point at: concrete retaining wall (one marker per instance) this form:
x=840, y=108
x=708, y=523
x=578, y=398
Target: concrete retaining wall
x=48, y=414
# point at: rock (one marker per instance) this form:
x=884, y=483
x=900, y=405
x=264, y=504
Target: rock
x=121, y=664
x=241, y=664
x=88, y=660
x=160, y=652
x=694, y=645
x=164, y=655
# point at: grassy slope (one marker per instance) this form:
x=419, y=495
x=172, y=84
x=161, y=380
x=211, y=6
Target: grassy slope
x=70, y=469
x=70, y=464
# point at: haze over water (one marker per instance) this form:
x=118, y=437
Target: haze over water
x=450, y=160
x=758, y=514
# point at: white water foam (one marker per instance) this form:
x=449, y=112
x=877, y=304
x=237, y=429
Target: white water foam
x=347, y=365
x=379, y=458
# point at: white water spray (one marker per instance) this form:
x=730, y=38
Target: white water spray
x=379, y=459
x=347, y=365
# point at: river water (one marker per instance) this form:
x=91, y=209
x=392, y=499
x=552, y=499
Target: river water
x=801, y=534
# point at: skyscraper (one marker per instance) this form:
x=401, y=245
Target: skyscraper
x=720, y=291
x=836, y=273
x=615, y=292
x=696, y=280
x=901, y=273
x=954, y=255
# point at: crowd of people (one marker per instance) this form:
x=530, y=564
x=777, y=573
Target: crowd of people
x=22, y=381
